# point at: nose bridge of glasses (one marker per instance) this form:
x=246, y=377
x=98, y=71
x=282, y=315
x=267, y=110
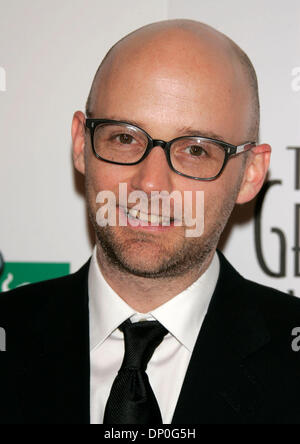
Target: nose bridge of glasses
x=161, y=143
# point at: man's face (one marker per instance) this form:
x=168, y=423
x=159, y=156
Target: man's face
x=167, y=92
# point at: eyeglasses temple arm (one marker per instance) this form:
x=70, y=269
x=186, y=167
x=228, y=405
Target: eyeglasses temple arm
x=245, y=147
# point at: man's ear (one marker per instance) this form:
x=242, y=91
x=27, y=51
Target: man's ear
x=255, y=173
x=78, y=138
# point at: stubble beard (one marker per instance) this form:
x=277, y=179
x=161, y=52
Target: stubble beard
x=122, y=249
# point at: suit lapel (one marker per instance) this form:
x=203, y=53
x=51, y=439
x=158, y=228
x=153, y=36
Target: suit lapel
x=54, y=377
x=219, y=386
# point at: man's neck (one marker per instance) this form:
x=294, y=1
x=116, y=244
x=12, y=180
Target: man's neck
x=146, y=294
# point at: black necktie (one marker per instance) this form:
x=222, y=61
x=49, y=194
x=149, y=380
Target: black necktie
x=131, y=400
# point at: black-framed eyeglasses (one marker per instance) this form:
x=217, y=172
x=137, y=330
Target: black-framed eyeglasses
x=195, y=157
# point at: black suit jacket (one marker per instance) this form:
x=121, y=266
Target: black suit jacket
x=242, y=371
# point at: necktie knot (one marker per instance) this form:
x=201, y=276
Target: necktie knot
x=141, y=339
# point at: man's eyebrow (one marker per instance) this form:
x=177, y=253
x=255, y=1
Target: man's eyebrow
x=181, y=131
x=188, y=131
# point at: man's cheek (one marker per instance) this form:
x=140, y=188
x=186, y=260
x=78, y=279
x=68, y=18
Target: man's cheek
x=194, y=213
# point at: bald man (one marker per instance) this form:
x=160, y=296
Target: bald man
x=157, y=327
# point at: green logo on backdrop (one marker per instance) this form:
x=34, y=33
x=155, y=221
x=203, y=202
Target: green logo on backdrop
x=16, y=274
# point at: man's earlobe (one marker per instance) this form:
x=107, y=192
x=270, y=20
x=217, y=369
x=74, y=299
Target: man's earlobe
x=255, y=173
x=78, y=141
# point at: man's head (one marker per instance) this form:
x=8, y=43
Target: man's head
x=173, y=78
x=202, y=32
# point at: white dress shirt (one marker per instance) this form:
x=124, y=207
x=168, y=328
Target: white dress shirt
x=182, y=316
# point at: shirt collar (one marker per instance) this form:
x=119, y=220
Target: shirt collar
x=182, y=316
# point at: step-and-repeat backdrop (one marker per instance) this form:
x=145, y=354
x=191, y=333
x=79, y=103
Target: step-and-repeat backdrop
x=49, y=52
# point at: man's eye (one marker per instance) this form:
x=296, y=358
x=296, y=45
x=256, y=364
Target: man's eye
x=196, y=151
x=125, y=139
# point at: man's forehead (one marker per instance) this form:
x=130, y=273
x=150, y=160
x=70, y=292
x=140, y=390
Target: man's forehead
x=165, y=46
x=165, y=71
x=178, y=57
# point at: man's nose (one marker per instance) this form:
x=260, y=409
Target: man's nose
x=153, y=173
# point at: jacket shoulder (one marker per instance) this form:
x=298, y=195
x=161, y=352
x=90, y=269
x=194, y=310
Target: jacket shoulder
x=279, y=309
x=268, y=294
x=272, y=302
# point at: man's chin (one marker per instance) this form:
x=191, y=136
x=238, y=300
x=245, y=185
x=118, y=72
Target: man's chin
x=140, y=256
x=144, y=271
x=143, y=261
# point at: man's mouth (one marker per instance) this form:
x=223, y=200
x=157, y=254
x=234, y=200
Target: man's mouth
x=148, y=218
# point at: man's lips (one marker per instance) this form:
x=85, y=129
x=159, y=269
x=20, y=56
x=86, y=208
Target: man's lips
x=148, y=217
x=137, y=223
